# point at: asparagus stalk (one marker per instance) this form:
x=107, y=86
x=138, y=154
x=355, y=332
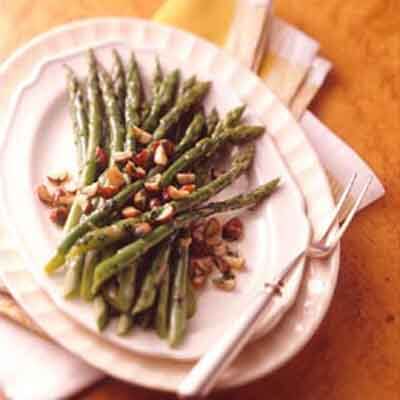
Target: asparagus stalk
x=133, y=102
x=162, y=99
x=91, y=259
x=126, y=228
x=152, y=279
x=192, y=134
x=73, y=276
x=184, y=102
x=101, y=311
x=78, y=114
x=129, y=253
x=207, y=147
x=125, y=323
x=117, y=129
x=177, y=322
x=157, y=78
x=212, y=121
x=161, y=318
x=119, y=80
x=88, y=173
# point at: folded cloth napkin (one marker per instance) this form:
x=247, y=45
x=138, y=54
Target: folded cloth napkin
x=291, y=68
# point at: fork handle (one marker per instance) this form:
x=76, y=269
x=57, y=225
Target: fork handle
x=205, y=373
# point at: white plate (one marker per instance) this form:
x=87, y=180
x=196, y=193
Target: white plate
x=301, y=321
x=41, y=140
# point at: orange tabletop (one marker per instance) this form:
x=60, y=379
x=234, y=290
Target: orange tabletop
x=356, y=352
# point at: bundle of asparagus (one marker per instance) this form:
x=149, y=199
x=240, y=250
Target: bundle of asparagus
x=132, y=226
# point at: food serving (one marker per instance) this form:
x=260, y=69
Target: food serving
x=140, y=231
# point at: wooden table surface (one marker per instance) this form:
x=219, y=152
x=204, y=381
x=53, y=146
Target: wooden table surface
x=356, y=352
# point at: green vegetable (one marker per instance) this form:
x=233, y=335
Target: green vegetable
x=73, y=276
x=119, y=80
x=131, y=252
x=148, y=291
x=177, y=321
x=101, y=311
x=162, y=100
x=184, y=102
x=133, y=102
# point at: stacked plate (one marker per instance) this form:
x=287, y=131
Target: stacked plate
x=37, y=138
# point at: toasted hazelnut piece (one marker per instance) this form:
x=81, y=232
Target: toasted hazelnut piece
x=101, y=158
x=71, y=186
x=212, y=232
x=86, y=205
x=62, y=198
x=142, y=158
x=176, y=194
x=203, y=264
x=169, y=147
x=58, y=178
x=185, y=178
x=140, y=199
x=134, y=171
x=233, y=229
x=154, y=203
x=141, y=135
x=107, y=191
x=59, y=215
x=160, y=156
x=199, y=249
x=91, y=190
x=44, y=195
x=189, y=188
x=220, y=249
x=198, y=232
x=142, y=228
x=167, y=211
x=225, y=283
x=130, y=212
x=185, y=241
x=153, y=184
x=115, y=177
x=199, y=281
x=122, y=156
x=237, y=263
x=165, y=195
x=222, y=265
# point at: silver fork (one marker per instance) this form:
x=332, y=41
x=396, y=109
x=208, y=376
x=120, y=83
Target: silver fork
x=203, y=376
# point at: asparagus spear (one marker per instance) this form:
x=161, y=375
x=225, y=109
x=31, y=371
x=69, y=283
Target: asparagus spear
x=152, y=279
x=94, y=128
x=91, y=259
x=111, y=266
x=99, y=217
x=177, y=321
x=207, y=147
x=192, y=133
x=161, y=318
x=78, y=114
x=231, y=120
x=191, y=299
x=162, y=99
x=189, y=83
x=189, y=98
x=157, y=78
x=117, y=129
x=101, y=311
x=125, y=323
x=119, y=80
x=73, y=276
x=133, y=102
x=126, y=228
x=212, y=121
x=126, y=289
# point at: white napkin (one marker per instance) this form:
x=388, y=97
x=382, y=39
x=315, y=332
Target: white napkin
x=33, y=368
